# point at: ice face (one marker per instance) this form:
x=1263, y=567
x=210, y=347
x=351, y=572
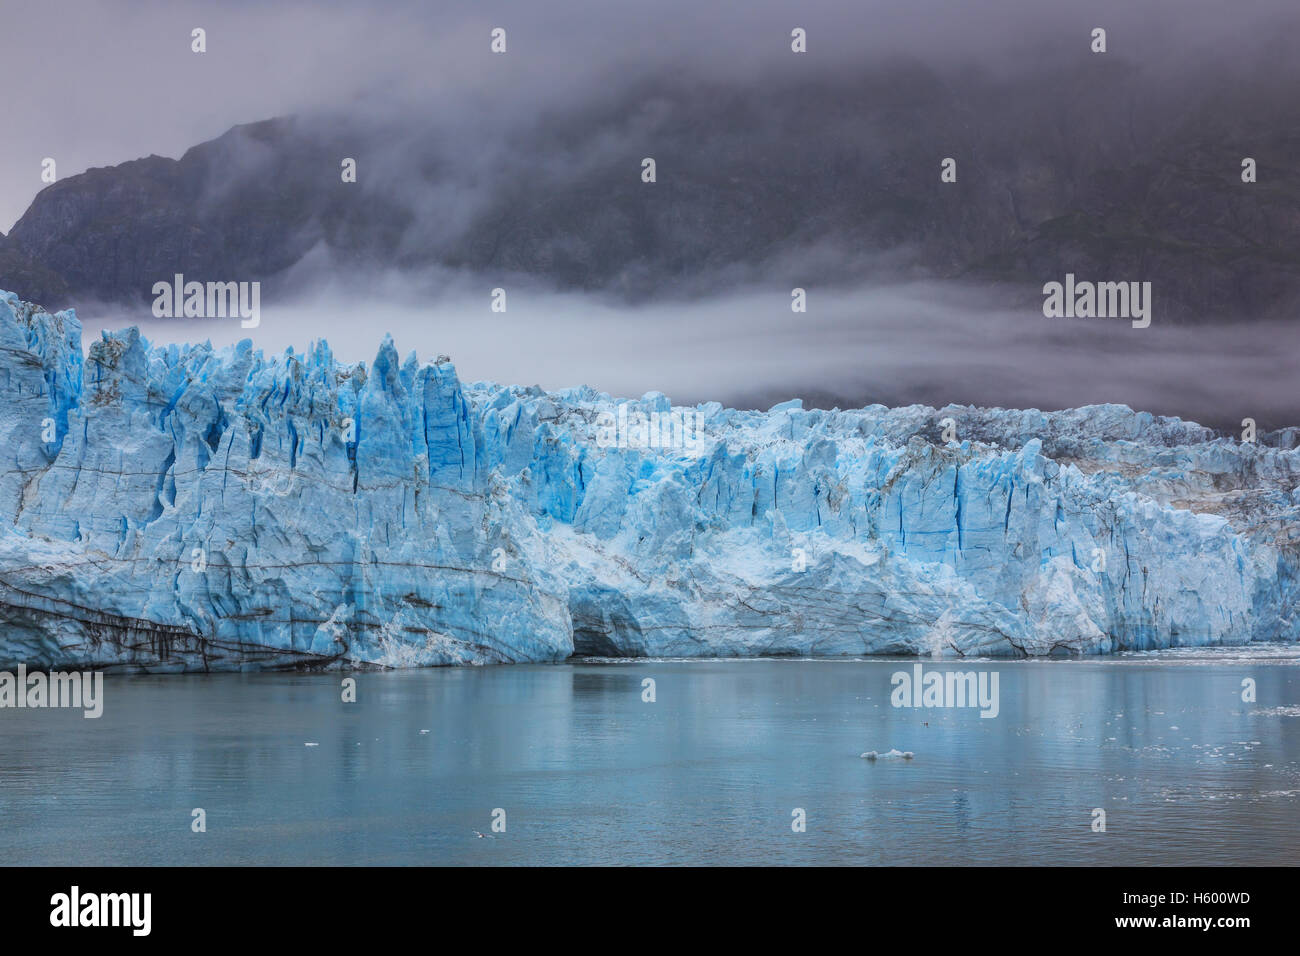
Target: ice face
x=182, y=507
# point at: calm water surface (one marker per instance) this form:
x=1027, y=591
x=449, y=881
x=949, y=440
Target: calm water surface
x=710, y=772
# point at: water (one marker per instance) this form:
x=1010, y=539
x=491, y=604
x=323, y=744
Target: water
x=588, y=773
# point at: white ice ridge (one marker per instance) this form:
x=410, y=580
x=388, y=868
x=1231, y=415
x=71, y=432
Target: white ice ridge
x=184, y=507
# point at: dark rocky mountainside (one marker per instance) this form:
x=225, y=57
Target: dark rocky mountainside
x=1088, y=170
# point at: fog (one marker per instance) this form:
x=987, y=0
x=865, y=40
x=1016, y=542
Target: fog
x=94, y=84
x=890, y=344
x=98, y=82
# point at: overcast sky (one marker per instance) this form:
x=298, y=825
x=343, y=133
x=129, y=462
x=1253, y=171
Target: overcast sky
x=99, y=83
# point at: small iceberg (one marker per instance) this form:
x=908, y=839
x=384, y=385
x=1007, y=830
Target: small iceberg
x=877, y=755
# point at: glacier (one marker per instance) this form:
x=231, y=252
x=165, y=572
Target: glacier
x=185, y=508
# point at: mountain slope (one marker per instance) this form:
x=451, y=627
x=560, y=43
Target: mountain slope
x=1086, y=167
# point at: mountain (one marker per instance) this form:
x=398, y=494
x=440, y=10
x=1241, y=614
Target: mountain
x=1088, y=165
x=181, y=508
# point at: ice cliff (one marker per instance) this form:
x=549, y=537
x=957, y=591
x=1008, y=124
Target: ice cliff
x=182, y=507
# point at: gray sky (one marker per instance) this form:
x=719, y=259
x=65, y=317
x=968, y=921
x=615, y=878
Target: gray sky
x=99, y=83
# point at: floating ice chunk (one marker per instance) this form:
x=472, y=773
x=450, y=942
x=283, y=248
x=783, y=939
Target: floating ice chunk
x=877, y=755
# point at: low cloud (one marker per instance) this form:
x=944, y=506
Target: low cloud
x=894, y=344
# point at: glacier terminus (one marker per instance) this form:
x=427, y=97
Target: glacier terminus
x=185, y=508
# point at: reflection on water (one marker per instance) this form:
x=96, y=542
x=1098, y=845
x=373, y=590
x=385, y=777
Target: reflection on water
x=710, y=772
